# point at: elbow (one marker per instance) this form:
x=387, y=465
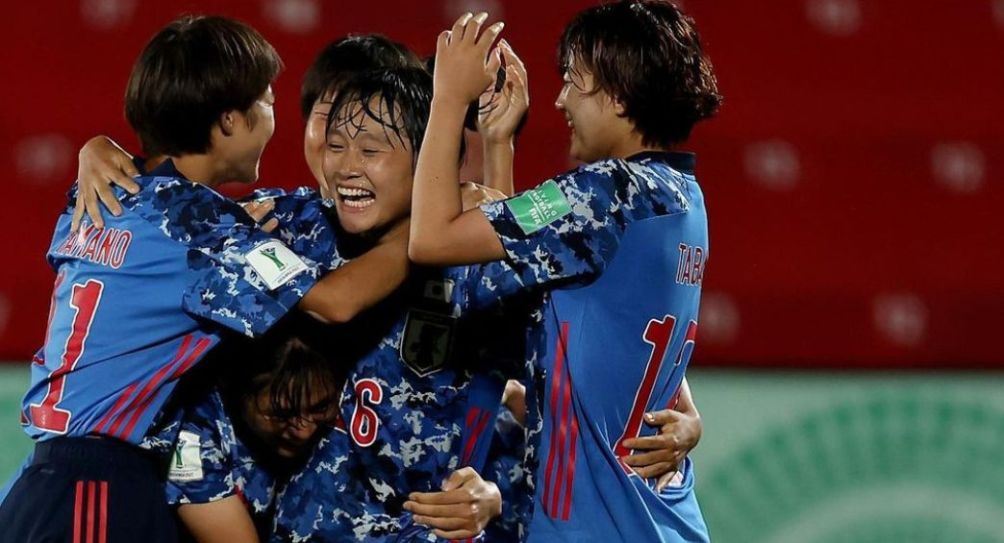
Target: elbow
x=421, y=251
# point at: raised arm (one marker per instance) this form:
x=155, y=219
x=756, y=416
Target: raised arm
x=441, y=233
x=500, y=114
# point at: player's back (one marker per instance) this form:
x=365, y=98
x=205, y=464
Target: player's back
x=132, y=301
x=623, y=343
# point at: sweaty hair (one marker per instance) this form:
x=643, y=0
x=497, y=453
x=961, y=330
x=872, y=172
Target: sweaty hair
x=647, y=55
x=398, y=99
x=354, y=53
x=289, y=361
x=190, y=73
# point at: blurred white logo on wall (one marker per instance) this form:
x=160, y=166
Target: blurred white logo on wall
x=295, y=16
x=107, y=14
x=719, y=321
x=836, y=17
x=44, y=158
x=901, y=318
x=773, y=164
x=999, y=13
x=959, y=166
x=454, y=8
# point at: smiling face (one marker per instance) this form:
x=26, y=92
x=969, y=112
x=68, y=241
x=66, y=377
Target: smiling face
x=592, y=115
x=368, y=169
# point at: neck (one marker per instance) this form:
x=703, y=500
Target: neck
x=203, y=169
x=632, y=145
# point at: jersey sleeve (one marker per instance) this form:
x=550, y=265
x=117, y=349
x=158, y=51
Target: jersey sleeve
x=247, y=281
x=566, y=229
x=201, y=469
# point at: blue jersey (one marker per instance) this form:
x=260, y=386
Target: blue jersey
x=505, y=469
x=138, y=303
x=416, y=405
x=620, y=246
x=210, y=462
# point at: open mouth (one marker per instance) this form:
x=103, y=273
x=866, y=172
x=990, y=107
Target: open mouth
x=356, y=198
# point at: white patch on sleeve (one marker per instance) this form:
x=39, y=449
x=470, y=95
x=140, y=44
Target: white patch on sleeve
x=186, y=462
x=275, y=263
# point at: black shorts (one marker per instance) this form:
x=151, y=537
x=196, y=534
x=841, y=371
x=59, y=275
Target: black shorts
x=88, y=490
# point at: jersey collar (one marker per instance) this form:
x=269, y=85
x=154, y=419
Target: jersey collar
x=681, y=162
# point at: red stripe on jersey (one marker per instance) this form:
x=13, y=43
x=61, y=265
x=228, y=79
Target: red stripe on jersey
x=556, y=382
x=567, y=416
x=78, y=507
x=472, y=415
x=192, y=358
x=103, y=524
x=118, y=405
x=90, y=511
x=472, y=440
x=156, y=378
x=571, y=468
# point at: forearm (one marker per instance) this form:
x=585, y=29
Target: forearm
x=436, y=198
x=498, y=166
x=360, y=284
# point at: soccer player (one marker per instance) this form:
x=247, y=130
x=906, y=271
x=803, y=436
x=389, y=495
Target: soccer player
x=302, y=210
x=616, y=249
x=137, y=304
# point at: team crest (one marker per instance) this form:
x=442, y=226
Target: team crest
x=427, y=342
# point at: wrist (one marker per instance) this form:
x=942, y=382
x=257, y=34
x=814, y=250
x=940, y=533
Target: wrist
x=498, y=143
x=449, y=102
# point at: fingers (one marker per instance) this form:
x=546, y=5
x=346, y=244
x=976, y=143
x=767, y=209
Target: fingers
x=93, y=208
x=459, y=495
x=124, y=177
x=458, y=478
x=447, y=523
x=648, y=458
x=459, y=27
x=455, y=510
x=673, y=478
x=258, y=210
x=651, y=443
x=78, y=214
x=656, y=470
x=109, y=199
x=494, y=63
x=659, y=418
x=271, y=225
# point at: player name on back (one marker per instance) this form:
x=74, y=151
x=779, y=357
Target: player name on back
x=690, y=268
x=104, y=246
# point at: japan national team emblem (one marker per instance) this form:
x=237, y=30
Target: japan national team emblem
x=428, y=339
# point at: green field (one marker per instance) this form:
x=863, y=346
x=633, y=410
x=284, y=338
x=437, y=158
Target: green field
x=815, y=457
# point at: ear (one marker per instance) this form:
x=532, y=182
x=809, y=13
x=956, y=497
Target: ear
x=228, y=120
x=619, y=107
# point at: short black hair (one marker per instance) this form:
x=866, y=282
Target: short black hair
x=191, y=72
x=403, y=101
x=348, y=55
x=646, y=54
x=293, y=358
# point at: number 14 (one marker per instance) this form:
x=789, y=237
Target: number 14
x=658, y=334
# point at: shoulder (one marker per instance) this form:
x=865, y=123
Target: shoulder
x=187, y=212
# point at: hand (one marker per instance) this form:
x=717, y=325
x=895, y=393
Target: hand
x=514, y=398
x=473, y=195
x=464, y=68
x=461, y=510
x=500, y=113
x=258, y=210
x=678, y=434
x=101, y=163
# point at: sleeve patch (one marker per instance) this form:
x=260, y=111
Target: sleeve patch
x=275, y=263
x=186, y=462
x=535, y=209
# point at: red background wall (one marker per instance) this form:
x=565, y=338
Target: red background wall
x=853, y=175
